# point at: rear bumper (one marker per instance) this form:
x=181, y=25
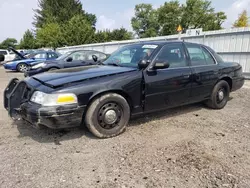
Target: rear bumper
x=237, y=83
x=16, y=101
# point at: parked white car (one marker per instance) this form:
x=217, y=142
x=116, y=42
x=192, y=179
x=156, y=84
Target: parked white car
x=9, y=56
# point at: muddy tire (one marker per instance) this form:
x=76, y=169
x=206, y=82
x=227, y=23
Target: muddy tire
x=22, y=67
x=108, y=115
x=219, y=96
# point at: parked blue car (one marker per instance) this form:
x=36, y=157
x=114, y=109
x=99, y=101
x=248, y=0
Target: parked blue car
x=22, y=64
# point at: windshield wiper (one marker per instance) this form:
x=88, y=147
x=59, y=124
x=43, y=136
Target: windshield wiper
x=100, y=63
x=113, y=64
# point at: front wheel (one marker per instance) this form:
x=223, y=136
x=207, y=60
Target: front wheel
x=22, y=67
x=219, y=96
x=108, y=115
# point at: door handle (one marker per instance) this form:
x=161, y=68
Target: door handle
x=186, y=76
x=197, y=77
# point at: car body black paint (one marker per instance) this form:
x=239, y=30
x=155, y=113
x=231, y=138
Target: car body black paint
x=146, y=90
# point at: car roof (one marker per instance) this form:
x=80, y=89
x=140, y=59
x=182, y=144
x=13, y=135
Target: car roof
x=160, y=43
x=85, y=51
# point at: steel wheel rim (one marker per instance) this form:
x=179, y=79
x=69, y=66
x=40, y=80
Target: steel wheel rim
x=109, y=115
x=221, y=95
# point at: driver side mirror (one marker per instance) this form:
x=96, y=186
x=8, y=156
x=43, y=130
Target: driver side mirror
x=69, y=59
x=95, y=58
x=161, y=65
x=143, y=64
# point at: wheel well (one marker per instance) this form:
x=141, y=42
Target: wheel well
x=53, y=68
x=119, y=92
x=229, y=81
x=20, y=64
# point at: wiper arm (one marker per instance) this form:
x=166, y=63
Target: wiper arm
x=100, y=63
x=113, y=64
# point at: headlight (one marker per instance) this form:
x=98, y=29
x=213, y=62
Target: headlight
x=40, y=65
x=53, y=99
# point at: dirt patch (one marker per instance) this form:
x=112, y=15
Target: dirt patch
x=190, y=146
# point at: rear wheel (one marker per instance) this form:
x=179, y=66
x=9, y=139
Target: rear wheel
x=22, y=67
x=108, y=115
x=219, y=96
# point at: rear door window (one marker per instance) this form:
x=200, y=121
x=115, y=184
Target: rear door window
x=41, y=56
x=52, y=55
x=199, y=56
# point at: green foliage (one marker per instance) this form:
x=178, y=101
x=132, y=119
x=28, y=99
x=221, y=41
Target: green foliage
x=200, y=14
x=102, y=36
x=149, y=22
x=78, y=31
x=169, y=17
x=54, y=11
x=50, y=36
x=115, y=35
x=242, y=20
x=9, y=42
x=145, y=22
x=28, y=41
x=121, y=34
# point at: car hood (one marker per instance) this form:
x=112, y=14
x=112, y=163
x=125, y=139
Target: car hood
x=17, y=53
x=65, y=76
x=22, y=61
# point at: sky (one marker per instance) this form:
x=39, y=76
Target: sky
x=16, y=16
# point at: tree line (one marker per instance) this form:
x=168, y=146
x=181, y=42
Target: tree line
x=66, y=23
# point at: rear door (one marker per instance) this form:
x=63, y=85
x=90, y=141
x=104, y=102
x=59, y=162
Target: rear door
x=168, y=87
x=204, y=71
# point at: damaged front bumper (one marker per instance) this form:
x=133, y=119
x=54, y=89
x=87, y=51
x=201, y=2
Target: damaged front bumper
x=16, y=101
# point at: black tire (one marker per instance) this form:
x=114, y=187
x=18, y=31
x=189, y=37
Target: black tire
x=108, y=116
x=219, y=96
x=22, y=67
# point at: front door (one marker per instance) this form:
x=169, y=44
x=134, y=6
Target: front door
x=76, y=59
x=169, y=87
x=204, y=72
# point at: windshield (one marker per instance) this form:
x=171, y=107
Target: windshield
x=64, y=56
x=130, y=56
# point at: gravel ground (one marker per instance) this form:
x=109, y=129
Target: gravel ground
x=190, y=146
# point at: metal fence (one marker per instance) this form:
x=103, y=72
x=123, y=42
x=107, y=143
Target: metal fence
x=232, y=44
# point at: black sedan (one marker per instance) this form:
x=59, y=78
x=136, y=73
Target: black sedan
x=68, y=60
x=135, y=80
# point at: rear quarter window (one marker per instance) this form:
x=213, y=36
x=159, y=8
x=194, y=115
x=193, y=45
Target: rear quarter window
x=3, y=53
x=217, y=56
